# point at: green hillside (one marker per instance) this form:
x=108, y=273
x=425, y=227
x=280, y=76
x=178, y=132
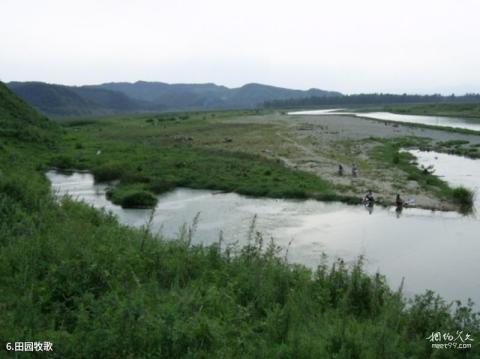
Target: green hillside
x=73, y=276
x=141, y=96
x=20, y=121
x=70, y=101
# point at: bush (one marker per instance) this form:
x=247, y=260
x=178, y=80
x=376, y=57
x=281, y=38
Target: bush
x=396, y=159
x=132, y=196
x=451, y=143
x=463, y=197
x=142, y=199
x=159, y=186
x=108, y=172
x=63, y=162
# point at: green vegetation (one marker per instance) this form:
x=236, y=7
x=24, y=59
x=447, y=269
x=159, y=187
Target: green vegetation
x=72, y=275
x=389, y=153
x=132, y=197
x=65, y=101
x=463, y=196
x=380, y=99
x=148, y=154
x=454, y=147
x=97, y=100
x=458, y=147
x=32, y=127
x=453, y=143
x=440, y=109
x=152, y=154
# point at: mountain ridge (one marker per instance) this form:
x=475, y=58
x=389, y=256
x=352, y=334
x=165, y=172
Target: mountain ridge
x=144, y=96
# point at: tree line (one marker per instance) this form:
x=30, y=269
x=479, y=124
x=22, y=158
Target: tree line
x=371, y=99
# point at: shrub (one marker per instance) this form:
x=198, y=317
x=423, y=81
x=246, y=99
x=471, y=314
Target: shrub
x=451, y=143
x=63, y=162
x=108, y=172
x=463, y=197
x=131, y=196
x=141, y=199
x=396, y=158
x=161, y=186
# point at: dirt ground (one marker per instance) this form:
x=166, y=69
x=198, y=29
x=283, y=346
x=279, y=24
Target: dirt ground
x=322, y=142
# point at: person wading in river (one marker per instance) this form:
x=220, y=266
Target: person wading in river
x=399, y=201
x=354, y=170
x=369, y=200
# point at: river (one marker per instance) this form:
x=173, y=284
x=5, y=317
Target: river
x=441, y=121
x=431, y=250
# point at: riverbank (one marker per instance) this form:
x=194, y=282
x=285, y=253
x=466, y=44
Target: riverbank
x=322, y=142
x=259, y=154
x=73, y=276
x=395, y=242
x=470, y=110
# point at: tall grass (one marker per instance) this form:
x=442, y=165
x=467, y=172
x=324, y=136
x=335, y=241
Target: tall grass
x=72, y=275
x=463, y=197
x=158, y=169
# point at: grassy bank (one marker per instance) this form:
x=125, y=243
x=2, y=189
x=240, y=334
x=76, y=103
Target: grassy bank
x=72, y=275
x=156, y=154
x=109, y=291
x=151, y=154
x=471, y=110
x=421, y=125
x=389, y=152
x=248, y=152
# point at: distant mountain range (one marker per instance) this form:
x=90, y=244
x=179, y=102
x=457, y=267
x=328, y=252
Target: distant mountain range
x=123, y=97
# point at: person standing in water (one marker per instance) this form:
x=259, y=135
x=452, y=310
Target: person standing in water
x=399, y=205
x=399, y=201
x=369, y=199
x=340, y=170
x=354, y=170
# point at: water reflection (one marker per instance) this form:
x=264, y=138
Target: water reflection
x=398, y=211
x=369, y=208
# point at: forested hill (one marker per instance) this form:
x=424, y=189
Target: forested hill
x=141, y=96
x=369, y=99
x=59, y=100
x=19, y=121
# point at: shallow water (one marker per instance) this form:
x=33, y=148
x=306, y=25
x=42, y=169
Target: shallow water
x=441, y=121
x=456, y=170
x=432, y=250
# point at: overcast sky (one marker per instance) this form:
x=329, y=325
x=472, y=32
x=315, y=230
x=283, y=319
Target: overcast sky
x=414, y=46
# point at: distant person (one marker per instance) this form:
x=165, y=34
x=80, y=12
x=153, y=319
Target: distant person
x=369, y=200
x=340, y=170
x=354, y=170
x=399, y=201
x=399, y=205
